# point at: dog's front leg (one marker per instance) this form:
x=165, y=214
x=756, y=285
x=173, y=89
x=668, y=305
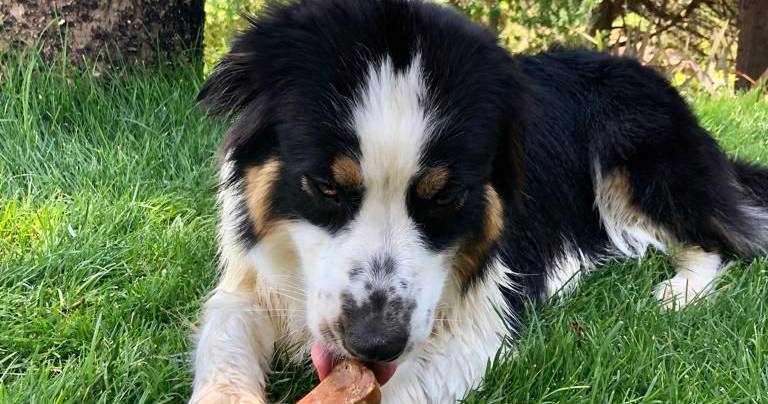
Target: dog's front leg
x=234, y=347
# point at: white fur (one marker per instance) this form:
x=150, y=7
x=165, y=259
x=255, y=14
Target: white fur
x=392, y=126
x=469, y=332
x=231, y=358
x=697, y=271
x=229, y=199
x=245, y=315
x=565, y=271
x=233, y=350
x=630, y=233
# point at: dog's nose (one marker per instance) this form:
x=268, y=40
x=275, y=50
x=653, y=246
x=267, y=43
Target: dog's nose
x=377, y=330
x=375, y=342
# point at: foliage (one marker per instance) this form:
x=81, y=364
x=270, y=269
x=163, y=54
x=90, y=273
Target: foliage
x=523, y=25
x=693, y=41
x=223, y=19
x=532, y=25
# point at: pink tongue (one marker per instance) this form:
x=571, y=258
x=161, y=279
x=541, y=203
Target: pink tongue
x=324, y=361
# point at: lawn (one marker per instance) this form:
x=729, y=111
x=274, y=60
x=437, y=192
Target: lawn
x=107, y=249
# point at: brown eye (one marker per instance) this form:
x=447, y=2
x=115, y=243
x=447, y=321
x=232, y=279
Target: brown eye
x=455, y=198
x=319, y=186
x=327, y=189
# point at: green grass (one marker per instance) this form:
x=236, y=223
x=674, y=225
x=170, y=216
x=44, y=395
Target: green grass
x=107, y=250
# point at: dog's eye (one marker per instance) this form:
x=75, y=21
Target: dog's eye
x=321, y=187
x=327, y=189
x=451, y=198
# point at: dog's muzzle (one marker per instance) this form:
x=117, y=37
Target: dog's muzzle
x=376, y=330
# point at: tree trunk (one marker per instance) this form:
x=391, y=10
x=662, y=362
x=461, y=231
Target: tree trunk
x=99, y=31
x=605, y=13
x=752, y=56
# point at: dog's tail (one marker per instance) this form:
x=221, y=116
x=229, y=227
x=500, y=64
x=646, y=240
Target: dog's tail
x=754, y=181
x=753, y=185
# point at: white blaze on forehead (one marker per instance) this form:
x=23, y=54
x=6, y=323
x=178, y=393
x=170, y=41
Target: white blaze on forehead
x=393, y=127
x=391, y=123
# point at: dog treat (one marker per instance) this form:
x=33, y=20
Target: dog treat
x=348, y=383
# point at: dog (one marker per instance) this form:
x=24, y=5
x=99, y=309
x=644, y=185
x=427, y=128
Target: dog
x=396, y=187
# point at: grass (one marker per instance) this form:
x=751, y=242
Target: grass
x=107, y=250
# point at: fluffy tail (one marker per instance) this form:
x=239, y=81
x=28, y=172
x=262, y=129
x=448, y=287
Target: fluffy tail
x=753, y=183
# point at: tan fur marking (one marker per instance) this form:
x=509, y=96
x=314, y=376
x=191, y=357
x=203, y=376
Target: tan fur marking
x=623, y=222
x=259, y=181
x=432, y=182
x=347, y=173
x=471, y=252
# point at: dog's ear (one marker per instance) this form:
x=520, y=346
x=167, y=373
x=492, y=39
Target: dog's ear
x=231, y=86
x=238, y=88
x=248, y=71
x=244, y=86
x=509, y=165
x=512, y=153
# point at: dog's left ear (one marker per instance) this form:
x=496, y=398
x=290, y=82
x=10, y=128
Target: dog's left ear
x=509, y=164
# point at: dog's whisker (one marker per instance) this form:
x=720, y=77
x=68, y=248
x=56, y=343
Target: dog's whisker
x=298, y=299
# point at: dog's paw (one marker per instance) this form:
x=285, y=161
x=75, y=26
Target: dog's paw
x=679, y=291
x=224, y=394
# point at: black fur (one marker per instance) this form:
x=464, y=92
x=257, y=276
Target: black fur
x=587, y=106
x=289, y=78
x=533, y=126
x=754, y=180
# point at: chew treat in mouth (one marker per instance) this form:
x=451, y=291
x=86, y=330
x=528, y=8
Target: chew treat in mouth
x=324, y=361
x=348, y=383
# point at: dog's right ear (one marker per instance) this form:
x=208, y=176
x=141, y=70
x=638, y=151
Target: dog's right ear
x=239, y=88
x=248, y=72
x=230, y=87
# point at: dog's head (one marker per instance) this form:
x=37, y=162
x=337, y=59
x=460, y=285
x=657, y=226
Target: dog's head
x=383, y=136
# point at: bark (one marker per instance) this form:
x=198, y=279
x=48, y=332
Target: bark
x=752, y=56
x=99, y=31
x=607, y=11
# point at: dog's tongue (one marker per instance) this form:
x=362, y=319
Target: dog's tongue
x=324, y=361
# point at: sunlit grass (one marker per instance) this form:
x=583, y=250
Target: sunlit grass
x=107, y=250
x=106, y=224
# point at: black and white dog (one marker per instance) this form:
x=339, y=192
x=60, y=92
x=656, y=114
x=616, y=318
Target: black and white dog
x=395, y=187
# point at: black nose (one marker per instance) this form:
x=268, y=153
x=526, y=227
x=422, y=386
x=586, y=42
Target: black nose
x=377, y=330
x=372, y=343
